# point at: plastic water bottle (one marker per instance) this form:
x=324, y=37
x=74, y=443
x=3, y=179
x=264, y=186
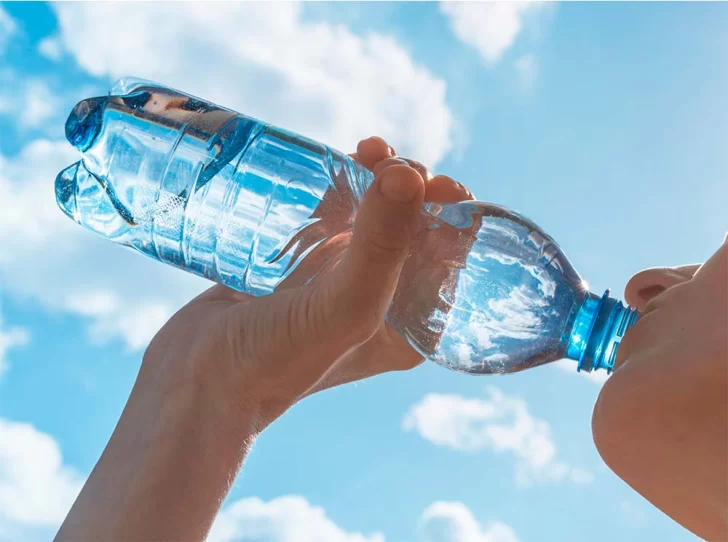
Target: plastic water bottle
x=255, y=207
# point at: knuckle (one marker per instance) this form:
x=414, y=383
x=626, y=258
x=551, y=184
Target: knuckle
x=387, y=163
x=446, y=180
x=420, y=168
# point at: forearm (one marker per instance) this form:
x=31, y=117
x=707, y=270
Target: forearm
x=166, y=469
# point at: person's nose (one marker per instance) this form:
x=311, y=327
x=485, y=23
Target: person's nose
x=648, y=284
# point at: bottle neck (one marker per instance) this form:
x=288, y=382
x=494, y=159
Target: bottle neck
x=598, y=329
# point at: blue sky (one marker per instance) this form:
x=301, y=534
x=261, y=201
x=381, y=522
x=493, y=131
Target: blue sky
x=605, y=123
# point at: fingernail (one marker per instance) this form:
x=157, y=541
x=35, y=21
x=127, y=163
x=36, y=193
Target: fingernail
x=401, y=190
x=392, y=152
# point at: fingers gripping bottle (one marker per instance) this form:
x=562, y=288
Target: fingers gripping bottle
x=255, y=207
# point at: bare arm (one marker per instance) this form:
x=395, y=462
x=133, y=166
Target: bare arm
x=166, y=470
x=227, y=365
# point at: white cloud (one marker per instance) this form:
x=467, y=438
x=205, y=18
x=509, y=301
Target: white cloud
x=569, y=366
x=285, y=519
x=316, y=78
x=30, y=102
x=36, y=488
x=319, y=79
x=10, y=337
x=580, y=476
x=502, y=424
x=40, y=104
x=454, y=522
x=136, y=322
x=51, y=48
x=7, y=28
x=30, y=213
x=490, y=27
x=47, y=257
x=518, y=313
x=527, y=69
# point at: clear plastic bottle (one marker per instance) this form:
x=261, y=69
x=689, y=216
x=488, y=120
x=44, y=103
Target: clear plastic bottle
x=257, y=208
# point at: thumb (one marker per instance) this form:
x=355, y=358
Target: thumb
x=301, y=332
x=363, y=284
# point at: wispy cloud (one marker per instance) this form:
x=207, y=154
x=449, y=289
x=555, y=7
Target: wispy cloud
x=135, y=322
x=501, y=424
x=285, y=519
x=30, y=102
x=8, y=27
x=103, y=283
x=39, y=104
x=10, y=337
x=527, y=70
x=51, y=48
x=454, y=522
x=318, y=79
x=490, y=27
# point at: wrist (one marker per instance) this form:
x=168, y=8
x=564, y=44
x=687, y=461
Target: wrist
x=199, y=404
x=169, y=464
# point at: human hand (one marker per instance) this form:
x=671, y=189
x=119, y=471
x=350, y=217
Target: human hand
x=264, y=354
x=227, y=364
x=661, y=420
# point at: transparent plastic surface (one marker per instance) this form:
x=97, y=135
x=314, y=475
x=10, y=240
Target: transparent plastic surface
x=257, y=208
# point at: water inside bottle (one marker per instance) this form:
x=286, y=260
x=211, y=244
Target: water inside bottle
x=204, y=188
x=255, y=207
